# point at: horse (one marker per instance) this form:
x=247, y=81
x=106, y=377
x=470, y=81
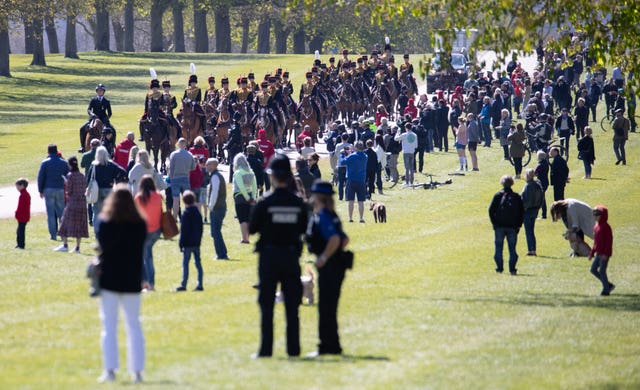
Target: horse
x=222, y=129
x=191, y=122
x=345, y=103
x=94, y=130
x=405, y=80
x=248, y=132
x=289, y=120
x=264, y=121
x=308, y=115
x=156, y=136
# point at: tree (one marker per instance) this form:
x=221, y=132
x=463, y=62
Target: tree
x=200, y=26
x=222, y=27
x=38, y=42
x=52, y=34
x=5, y=70
x=299, y=41
x=128, y=26
x=264, y=34
x=157, y=11
x=101, y=33
x=70, y=39
x=178, y=26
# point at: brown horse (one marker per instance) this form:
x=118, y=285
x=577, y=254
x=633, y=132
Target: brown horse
x=94, y=130
x=406, y=81
x=156, y=136
x=222, y=129
x=308, y=115
x=191, y=122
x=345, y=103
x=263, y=121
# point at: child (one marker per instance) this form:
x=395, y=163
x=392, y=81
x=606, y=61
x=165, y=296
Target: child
x=602, y=248
x=23, y=212
x=586, y=151
x=190, y=237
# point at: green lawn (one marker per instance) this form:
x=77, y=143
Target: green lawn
x=422, y=308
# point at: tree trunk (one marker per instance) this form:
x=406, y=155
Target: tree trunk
x=70, y=39
x=157, y=10
x=52, y=35
x=118, y=33
x=128, y=26
x=299, y=45
x=316, y=43
x=281, y=36
x=246, y=22
x=38, y=43
x=178, y=27
x=28, y=36
x=264, y=35
x=223, y=29
x=200, y=27
x=101, y=34
x=4, y=48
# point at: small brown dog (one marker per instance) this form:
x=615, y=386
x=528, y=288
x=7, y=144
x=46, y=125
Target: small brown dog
x=379, y=212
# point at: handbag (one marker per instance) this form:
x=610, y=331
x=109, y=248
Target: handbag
x=168, y=225
x=94, y=269
x=92, y=192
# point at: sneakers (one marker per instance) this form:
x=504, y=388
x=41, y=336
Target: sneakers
x=362, y=221
x=108, y=376
x=61, y=248
x=606, y=293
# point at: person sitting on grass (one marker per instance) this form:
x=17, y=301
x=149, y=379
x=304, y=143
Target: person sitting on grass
x=190, y=238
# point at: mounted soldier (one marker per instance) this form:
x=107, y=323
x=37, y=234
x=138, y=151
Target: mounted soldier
x=167, y=104
x=309, y=89
x=100, y=108
x=210, y=102
x=152, y=98
x=253, y=86
x=242, y=97
x=407, y=69
x=265, y=105
x=387, y=51
x=344, y=63
x=193, y=95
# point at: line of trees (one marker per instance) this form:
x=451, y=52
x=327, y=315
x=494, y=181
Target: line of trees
x=179, y=25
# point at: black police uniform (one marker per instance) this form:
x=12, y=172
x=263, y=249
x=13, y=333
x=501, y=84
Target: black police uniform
x=234, y=145
x=281, y=219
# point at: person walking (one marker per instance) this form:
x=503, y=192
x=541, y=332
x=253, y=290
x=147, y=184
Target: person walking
x=23, y=211
x=409, y=141
x=217, y=207
x=327, y=241
x=245, y=193
x=507, y=214
x=565, y=128
x=120, y=231
x=149, y=203
x=341, y=151
x=372, y=168
x=106, y=173
x=181, y=162
x=474, y=139
x=141, y=168
x=281, y=219
x=602, y=248
x=620, y=136
x=121, y=152
x=356, y=164
x=53, y=170
x=74, y=217
x=586, y=151
x=542, y=173
x=85, y=162
x=559, y=174
x=516, y=137
x=190, y=239
x=532, y=198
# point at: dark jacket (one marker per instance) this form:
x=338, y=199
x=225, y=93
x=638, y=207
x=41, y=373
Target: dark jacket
x=257, y=166
x=190, y=228
x=532, y=195
x=107, y=175
x=542, y=172
x=101, y=109
x=52, y=169
x=121, y=257
x=572, y=126
x=428, y=119
x=372, y=161
x=586, y=150
x=559, y=171
x=503, y=216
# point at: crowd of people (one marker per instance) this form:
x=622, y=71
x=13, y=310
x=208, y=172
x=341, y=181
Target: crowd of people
x=516, y=109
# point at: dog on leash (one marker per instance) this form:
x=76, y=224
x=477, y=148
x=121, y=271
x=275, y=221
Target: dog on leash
x=379, y=212
x=579, y=248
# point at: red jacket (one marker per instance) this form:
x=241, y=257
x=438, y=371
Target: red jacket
x=302, y=136
x=379, y=116
x=196, y=177
x=411, y=109
x=265, y=146
x=602, y=235
x=23, y=212
x=201, y=152
x=121, y=153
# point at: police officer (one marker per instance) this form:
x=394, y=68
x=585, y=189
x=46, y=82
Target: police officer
x=281, y=219
x=100, y=107
x=327, y=240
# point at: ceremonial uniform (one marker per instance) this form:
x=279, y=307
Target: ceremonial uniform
x=407, y=68
x=167, y=104
x=193, y=95
x=281, y=219
x=309, y=89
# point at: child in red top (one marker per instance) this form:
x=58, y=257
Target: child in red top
x=602, y=248
x=23, y=212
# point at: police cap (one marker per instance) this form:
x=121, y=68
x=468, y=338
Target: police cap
x=280, y=166
x=322, y=187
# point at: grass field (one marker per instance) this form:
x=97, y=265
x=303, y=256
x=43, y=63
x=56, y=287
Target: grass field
x=422, y=308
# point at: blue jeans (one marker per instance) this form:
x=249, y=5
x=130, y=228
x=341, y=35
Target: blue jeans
x=342, y=180
x=216, y=217
x=599, y=270
x=186, y=256
x=429, y=140
x=148, y=270
x=409, y=163
x=54, y=202
x=512, y=238
x=486, y=133
x=618, y=149
x=530, y=216
x=587, y=168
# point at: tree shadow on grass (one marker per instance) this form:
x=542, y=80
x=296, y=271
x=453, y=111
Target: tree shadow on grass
x=617, y=302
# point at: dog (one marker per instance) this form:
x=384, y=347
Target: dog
x=379, y=212
x=308, y=283
x=579, y=248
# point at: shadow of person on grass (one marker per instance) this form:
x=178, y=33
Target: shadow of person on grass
x=344, y=358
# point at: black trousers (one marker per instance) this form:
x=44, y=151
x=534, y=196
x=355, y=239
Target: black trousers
x=419, y=153
x=330, y=279
x=278, y=264
x=20, y=234
x=558, y=192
